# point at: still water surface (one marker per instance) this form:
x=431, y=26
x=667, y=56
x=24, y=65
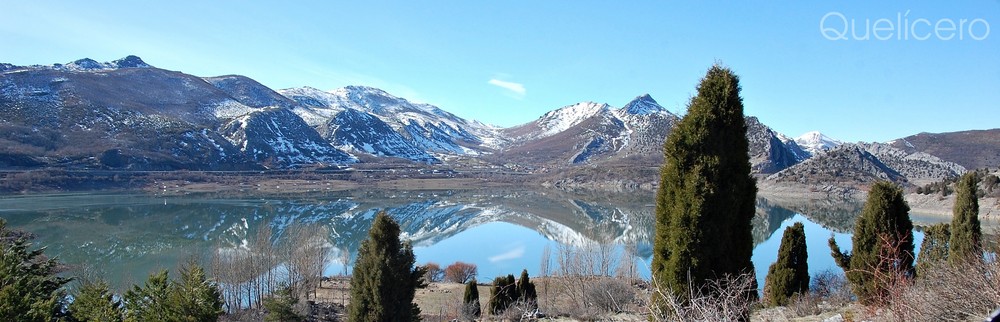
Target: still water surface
x=128, y=236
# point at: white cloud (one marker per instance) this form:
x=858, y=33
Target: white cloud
x=517, y=89
x=511, y=254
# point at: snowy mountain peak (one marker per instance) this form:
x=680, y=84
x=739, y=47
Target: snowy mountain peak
x=87, y=64
x=559, y=120
x=816, y=142
x=130, y=61
x=643, y=105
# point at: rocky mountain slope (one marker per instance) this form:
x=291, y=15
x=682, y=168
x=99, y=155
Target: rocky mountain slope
x=595, y=134
x=971, y=149
x=858, y=164
x=127, y=114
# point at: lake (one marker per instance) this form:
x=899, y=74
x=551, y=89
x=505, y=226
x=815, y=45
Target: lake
x=126, y=236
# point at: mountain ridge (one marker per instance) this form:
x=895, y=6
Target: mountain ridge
x=134, y=116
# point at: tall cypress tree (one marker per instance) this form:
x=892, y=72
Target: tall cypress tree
x=526, y=290
x=470, y=300
x=966, y=234
x=882, y=244
x=788, y=275
x=384, y=279
x=706, y=197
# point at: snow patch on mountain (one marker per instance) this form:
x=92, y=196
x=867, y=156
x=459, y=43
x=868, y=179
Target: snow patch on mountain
x=815, y=142
x=564, y=118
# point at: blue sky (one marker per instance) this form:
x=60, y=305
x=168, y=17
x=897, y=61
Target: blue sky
x=508, y=62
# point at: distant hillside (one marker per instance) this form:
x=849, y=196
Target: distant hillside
x=972, y=149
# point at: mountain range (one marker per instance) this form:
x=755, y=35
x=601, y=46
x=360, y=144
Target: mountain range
x=129, y=115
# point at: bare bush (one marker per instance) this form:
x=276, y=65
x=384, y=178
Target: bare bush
x=831, y=287
x=433, y=273
x=460, y=272
x=954, y=292
x=611, y=295
x=723, y=299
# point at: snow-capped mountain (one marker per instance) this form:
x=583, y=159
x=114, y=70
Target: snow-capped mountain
x=127, y=114
x=815, y=142
x=423, y=125
x=589, y=132
x=358, y=131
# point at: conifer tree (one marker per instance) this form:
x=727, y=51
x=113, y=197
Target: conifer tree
x=882, y=244
x=706, y=197
x=470, y=300
x=526, y=290
x=384, y=280
x=934, y=248
x=966, y=234
x=280, y=306
x=94, y=301
x=148, y=302
x=30, y=290
x=193, y=297
x=788, y=275
x=502, y=294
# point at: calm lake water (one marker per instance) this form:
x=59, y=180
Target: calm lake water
x=127, y=236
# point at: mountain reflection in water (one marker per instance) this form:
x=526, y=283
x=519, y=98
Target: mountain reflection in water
x=500, y=230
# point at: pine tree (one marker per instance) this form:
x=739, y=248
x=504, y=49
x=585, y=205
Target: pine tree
x=149, y=302
x=94, y=301
x=470, y=301
x=882, y=244
x=280, y=306
x=29, y=287
x=788, y=275
x=706, y=198
x=193, y=297
x=966, y=234
x=934, y=248
x=384, y=280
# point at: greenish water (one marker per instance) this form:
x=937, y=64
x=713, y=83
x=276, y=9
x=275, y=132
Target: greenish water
x=127, y=236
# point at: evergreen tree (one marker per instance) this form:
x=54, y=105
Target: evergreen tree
x=882, y=244
x=384, y=279
x=705, y=202
x=29, y=287
x=193, y=297
x=502, y=294
x=94, y=301
x=788, y=275
x=470, y=301
x=149, y=302
x=966, y=234
x=934, y=248
x=280, y=306
x=526, y=290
